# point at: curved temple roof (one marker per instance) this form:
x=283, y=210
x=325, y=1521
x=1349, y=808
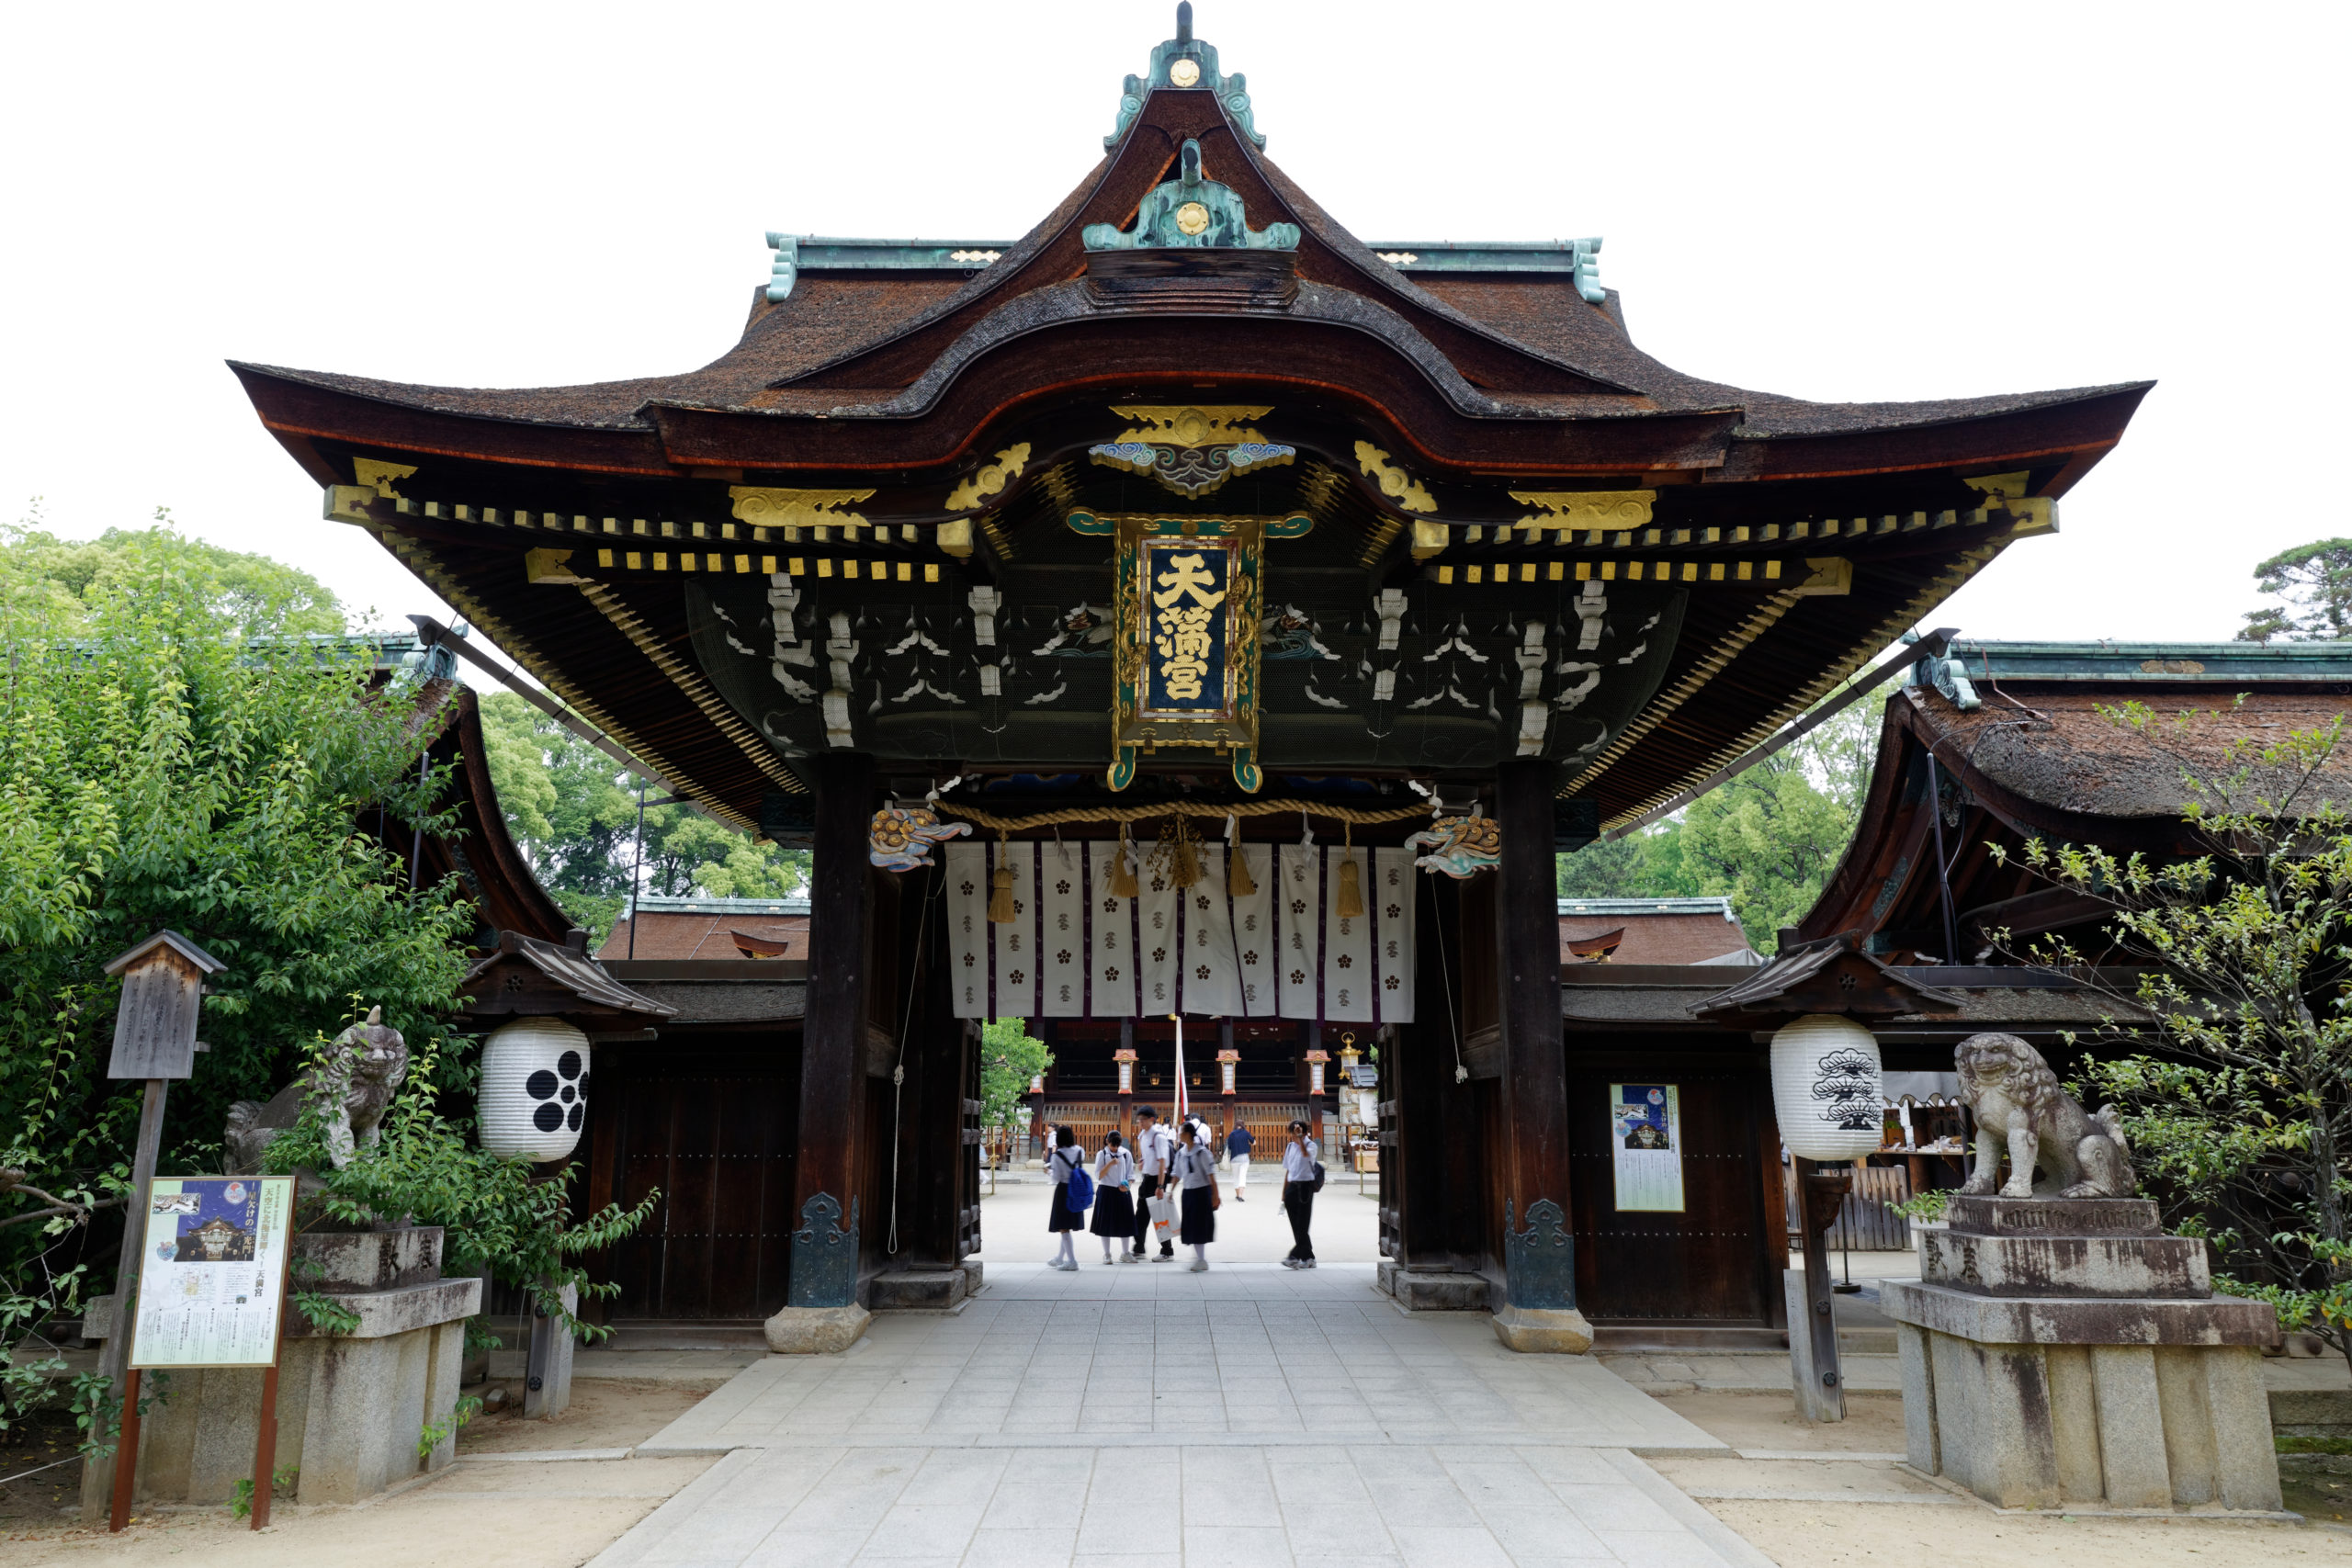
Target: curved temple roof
x=1449, y=415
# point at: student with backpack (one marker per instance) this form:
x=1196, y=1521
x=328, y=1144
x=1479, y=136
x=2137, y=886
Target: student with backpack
x=1073, y=1192
x=1195, y=1172
x=1114, y=1210
x=1301, y=1177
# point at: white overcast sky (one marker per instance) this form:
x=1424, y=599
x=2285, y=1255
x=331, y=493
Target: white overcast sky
x=1866, y=201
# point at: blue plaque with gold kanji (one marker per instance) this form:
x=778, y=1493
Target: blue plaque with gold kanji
x=1187, y=668
x=1185, y=610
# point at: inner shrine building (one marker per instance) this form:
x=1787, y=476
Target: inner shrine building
x=1187, y=610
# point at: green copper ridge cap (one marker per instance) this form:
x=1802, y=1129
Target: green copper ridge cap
x=1193, y=213
x=797, y=253
x=1232, y=91
x=1581, y=259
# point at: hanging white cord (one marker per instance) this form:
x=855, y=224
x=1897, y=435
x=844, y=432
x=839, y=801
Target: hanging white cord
x=1445, y=972
x=898, y=1069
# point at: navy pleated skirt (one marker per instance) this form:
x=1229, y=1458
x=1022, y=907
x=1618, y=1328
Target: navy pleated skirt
x=1115, y=1213
x=1199, y=1219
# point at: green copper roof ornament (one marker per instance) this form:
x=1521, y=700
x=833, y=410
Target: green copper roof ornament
x=1184, y=61
x=1193, y=213
x=1587, y=276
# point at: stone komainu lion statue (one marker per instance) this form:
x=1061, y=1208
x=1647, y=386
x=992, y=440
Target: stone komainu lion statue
x=353, y=1085
x=2017, y=1103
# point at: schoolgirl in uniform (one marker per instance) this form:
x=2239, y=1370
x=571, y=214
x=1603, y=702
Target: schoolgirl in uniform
x=1199, y=1202
x=1066, y=1157
x=1115, y=1207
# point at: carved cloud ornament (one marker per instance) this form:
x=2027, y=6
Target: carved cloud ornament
x=1190, y=451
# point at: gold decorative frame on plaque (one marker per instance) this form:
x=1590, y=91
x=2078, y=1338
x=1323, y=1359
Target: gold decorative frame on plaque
x=1186, y=600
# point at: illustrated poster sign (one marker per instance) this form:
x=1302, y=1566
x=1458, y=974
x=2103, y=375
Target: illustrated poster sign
x=1645, y=1145
x=213, y=1271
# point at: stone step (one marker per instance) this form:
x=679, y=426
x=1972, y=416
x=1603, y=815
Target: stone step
x=723, y=1333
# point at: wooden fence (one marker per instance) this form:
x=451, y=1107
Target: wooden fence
x=1864, y=1221
x=1087, y=1119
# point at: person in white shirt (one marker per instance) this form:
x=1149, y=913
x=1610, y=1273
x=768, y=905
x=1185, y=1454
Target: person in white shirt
x=1114, y=1209
x=1195, y=1171
x=1298, y=1195
x=1154, y=1150
x=1061, y=1219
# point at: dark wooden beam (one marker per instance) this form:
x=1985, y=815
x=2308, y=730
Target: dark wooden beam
x=1539, y=1252
x=833, y=1071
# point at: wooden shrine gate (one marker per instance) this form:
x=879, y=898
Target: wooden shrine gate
x=1185, y=518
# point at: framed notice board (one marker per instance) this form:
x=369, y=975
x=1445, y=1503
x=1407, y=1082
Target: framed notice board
x=212, y=1271
x=1645, y=1146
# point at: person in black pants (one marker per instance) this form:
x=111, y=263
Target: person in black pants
x=1154, y=1150
x=1298, y=1196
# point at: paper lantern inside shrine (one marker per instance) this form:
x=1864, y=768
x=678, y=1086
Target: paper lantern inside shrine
x=533, y=1089
x=1826, y=1088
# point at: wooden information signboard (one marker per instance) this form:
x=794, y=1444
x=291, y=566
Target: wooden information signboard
x=213, y=1255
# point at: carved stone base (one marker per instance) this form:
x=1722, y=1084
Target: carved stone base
x=1545, y=1331
x=816, y=1331
x=920, y=1290
x=1433, y=1289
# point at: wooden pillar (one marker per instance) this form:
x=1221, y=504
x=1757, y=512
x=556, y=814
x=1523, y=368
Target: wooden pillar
x=1126, y=1071
x=1225, y=1075
x=826, y=1202
x=1813, y=1343
x=98, y=1490
x=1539, y=1250
x=1308, y=1066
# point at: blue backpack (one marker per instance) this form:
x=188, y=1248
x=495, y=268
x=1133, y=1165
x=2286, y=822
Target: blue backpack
x=1082, y=1190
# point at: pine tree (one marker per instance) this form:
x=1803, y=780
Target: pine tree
x=2314, y=583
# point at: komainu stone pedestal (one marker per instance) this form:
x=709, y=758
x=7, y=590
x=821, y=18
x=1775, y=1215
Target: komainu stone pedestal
x=351, y=1406
x=2066, y=1353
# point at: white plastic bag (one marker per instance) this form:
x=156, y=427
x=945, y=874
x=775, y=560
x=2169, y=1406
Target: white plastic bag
x=1163, y=1219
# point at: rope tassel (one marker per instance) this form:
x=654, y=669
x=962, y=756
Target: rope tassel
x=1186, y=868
x=1123, y=875
x=1000, y=892
x=1349, y=906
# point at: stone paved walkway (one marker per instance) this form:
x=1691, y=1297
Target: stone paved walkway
x=1247, y=1417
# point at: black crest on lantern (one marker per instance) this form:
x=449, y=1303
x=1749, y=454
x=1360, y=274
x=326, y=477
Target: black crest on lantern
x=1845, y=1082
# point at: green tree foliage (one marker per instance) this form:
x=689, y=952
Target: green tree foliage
x=2312, y=585
x=574, y=812
x=160, y=770
x=1010, y=1057
x=2232, y=1057
x=1770, y=838
x=53, y=587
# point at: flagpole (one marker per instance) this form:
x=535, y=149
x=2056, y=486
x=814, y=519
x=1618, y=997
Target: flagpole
x=1184, y=1101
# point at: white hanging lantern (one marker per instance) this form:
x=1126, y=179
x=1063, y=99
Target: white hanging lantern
x=534, y=1089
x=1826, y=1088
